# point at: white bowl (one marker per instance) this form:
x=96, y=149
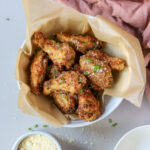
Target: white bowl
x=111, y=103
x=16, y=144
x=136, y=139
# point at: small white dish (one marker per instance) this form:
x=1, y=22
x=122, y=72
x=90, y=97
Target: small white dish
x=110, y=104
x=136, y=139
x=16, y=144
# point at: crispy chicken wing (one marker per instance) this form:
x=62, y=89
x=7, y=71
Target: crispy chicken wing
x=66, y=102
x=88, y=107
x=98, y=72
x=79, y=42
x=38, y=71
x=115, y=63
x=67, y=81
x=60, y=53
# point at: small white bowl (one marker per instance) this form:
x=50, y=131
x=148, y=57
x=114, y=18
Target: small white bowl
x=110, y=104
x=136, y=139
x=19, y=140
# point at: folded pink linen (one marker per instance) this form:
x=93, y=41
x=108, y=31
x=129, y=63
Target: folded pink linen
x=131, y=15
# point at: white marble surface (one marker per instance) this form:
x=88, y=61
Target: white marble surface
x=13, y=122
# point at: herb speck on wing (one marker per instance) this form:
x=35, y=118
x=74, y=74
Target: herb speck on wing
x=58, y=44
x=52, y=41
x=96, y=67
x=85, y=42
x=64, y=98
x=86, y=73
x=89, y=59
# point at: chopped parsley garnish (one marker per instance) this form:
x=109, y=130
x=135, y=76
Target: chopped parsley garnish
x=70, y=43
x=114, y=124
x=64, y=98
x=48, y=69
x=85, y=42
x=81, y=91
x=58, y=44
x=52, y=41
x=80, y=34
x=86, y=73
x=60, y=81
x=96, y=68
x=44, y=125
x=54, y=77
x=110, y=120
x=30, y=129
x=36, y=125
x=94, y=47
x=88, y=103
x=7, y=19
x=89, y=59
x=34, y=53
x=54, y=71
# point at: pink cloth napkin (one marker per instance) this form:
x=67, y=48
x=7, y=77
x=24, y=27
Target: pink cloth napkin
x=131, y=15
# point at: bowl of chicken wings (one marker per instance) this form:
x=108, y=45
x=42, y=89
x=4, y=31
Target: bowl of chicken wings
x=73, y=71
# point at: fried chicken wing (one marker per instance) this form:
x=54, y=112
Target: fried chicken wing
x=67, y=81
x=38, y=71
x=97, y=71
x=115, y=63
x=66, y=102
x=88, y=107
x=61, y=54
x=79, y=42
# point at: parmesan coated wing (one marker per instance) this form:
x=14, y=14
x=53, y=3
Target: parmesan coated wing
x=38, y=71
x=97, y=71
x=65, y=102
x=88, y=107
x=60, y=53
x=79, y=42
x=115, y=63
x=67, y=81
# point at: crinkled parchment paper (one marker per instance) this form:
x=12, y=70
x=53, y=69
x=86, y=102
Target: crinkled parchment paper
x=50, y=17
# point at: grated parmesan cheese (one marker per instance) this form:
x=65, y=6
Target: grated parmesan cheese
x=37, y=142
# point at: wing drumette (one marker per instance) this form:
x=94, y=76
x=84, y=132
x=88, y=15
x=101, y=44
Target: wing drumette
x=61, y=54
x=67, y=81
x=79, y=42
x=115, y=63
x=98, y=72
x=88, y=107
x=65, y=101
x=38, y=71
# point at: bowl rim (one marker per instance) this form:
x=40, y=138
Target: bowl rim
x=86, y=123
x=129, y=133
x=20, y=139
